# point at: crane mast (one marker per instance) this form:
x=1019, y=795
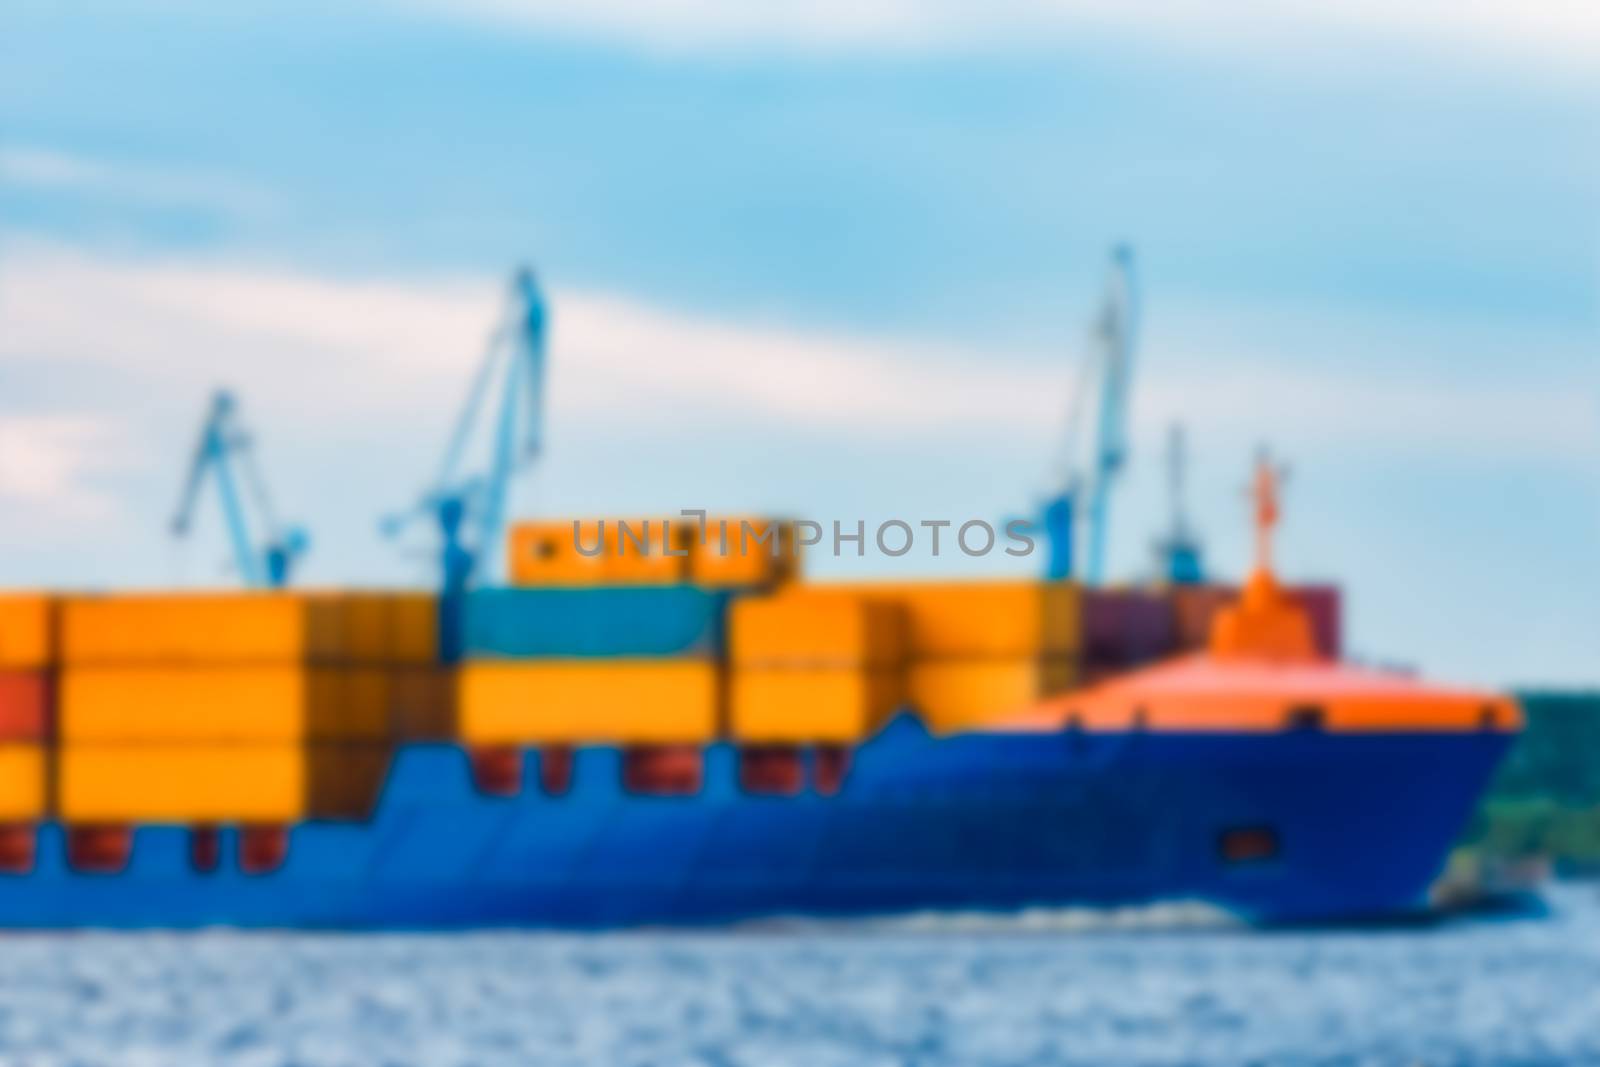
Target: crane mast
x=468, y=506
x=1113, y=335
x=1178, y=555
x=1107, y=371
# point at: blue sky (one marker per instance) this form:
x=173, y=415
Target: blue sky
x=830, y=259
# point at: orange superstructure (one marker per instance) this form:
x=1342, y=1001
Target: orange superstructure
x=1262, y=672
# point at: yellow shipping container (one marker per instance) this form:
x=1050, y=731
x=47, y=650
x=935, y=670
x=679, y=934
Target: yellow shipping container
x=804, y=626
x=206, y=628
x=22, y=783
x=27, y=631
x=578, y=701
x=974, y=619
x=744, y=552
x=223, y=704
x=218, y=783
x=953, y=695
x=830, y=705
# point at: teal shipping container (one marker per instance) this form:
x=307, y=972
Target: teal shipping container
x=601, y=621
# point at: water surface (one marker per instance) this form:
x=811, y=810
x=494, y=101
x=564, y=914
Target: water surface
x=1164, y=987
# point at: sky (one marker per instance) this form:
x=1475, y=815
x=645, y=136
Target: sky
x=829, y=259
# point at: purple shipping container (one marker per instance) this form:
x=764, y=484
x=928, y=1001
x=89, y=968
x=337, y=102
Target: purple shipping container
x=1126, y=627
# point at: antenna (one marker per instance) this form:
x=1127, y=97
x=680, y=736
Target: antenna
x=1265, y=491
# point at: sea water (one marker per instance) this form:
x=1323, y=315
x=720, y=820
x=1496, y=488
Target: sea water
x=1164, y=986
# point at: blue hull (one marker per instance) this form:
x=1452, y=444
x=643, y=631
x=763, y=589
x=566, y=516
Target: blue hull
x=1362, y=824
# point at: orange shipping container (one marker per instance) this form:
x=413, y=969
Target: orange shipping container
x=223, y=704
x=578, y=701
x=217, y=783
x=956, y=695
x=647, y=551
x=22, y=782
x=836, y=705
x=27, y=631
x=738, y=552
x=817, y=627
x=983, y=619
x=600, y=551
x=206, y=628
x=545, y=553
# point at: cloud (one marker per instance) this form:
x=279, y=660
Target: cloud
x=51, y=466
x=325, y=350
x=37, y=168
x=1563, y=32
x=395, y=346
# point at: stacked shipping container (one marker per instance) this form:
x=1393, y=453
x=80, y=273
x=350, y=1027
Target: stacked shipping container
x=27, y=682
x=814, y=666
x=257, y=708
x=603, y=638
x=613, y=632
x=978, y=650
x=264, y=709
x=625, y=664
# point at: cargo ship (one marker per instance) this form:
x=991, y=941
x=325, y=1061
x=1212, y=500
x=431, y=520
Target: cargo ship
x=638, y=738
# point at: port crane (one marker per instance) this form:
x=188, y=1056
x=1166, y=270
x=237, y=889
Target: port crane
x=468, y=506
x=225, y=453
x=1108, y=372
x=1178, y=554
